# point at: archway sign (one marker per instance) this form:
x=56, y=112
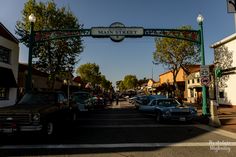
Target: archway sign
x=117, y=32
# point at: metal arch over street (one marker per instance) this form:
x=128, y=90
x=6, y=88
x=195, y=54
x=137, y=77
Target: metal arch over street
x=117, y=32
x=127, y=32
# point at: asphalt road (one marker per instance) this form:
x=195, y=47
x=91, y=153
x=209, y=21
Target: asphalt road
x=123, y=131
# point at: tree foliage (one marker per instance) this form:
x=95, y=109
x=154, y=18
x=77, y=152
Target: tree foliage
x=142, y=81
x=223, y=58
x=54, y=56
x=90, y=73
x=105, y=84
x=175, y=53
x=129, y=82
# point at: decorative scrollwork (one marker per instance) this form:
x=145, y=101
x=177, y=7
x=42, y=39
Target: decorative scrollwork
x=190, y=35
x=46, y=35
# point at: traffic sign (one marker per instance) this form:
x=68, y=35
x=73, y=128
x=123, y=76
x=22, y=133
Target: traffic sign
x=205, y=81
x=204, y=71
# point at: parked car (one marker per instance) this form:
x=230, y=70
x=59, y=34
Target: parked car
x=145, y=99
x=36, y=111
x=83, y=100
x=169, y=109
x=97, y=101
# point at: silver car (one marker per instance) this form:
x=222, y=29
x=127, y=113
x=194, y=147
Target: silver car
x=169, y=109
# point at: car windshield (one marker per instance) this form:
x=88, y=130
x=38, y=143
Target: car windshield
x=38, y=99
x=168, y=103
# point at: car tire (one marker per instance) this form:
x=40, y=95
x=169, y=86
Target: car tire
x=158, y=117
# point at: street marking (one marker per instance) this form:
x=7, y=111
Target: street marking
x=217, y=131
x=115, y=145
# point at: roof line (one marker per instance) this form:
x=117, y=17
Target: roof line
x=14, y=38
x=224, y=40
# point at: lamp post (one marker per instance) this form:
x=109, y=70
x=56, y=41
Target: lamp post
x=204, y=96
x=32, y=20
x=67, y=82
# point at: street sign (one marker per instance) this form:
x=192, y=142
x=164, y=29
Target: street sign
x=204, y=71
x=205, y=81
x=117, y=31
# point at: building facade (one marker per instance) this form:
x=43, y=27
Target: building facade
x=194, y=88
x=186, y=80
x=226, y=84
x=9, y=55
x=167, y=83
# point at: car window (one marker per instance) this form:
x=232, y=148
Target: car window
x=81, y=97
x=61, y=98
x=37, y=99
x=167, y=102
x=153, y=103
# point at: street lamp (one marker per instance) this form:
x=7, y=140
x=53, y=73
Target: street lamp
x=200, y=19
x=67, y=82
x=32, y=20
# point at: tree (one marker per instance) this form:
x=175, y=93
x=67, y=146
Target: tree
x=54, y=56
x=89, y=73
x=142, y=81
x=224, y=60
x=175, y=53
x=130, y=82
x=120, y=85
x=107, y=85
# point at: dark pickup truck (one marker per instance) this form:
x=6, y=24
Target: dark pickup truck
x=36, y=111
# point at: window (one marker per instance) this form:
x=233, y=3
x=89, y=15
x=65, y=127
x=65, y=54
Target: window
x=198, y=80
x=4, y=55
x=188, y=82
x=192, y=81
x=4, y=93
x=191, y=93
x=221, y=94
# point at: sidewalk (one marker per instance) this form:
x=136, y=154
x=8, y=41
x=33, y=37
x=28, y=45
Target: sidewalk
x=227, y=117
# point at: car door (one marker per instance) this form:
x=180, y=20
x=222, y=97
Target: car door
x=150, y=107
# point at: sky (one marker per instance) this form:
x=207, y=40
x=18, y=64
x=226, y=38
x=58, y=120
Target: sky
x=133, y=56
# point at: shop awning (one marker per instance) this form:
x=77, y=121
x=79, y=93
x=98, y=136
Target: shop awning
x=195, y=86
x=7, y=78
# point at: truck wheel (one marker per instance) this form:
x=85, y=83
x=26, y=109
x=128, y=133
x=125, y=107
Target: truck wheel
x=49, y=128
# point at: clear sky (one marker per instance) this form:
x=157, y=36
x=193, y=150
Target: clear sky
x=133, y=56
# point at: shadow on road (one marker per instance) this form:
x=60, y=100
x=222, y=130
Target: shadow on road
x=107, y=131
